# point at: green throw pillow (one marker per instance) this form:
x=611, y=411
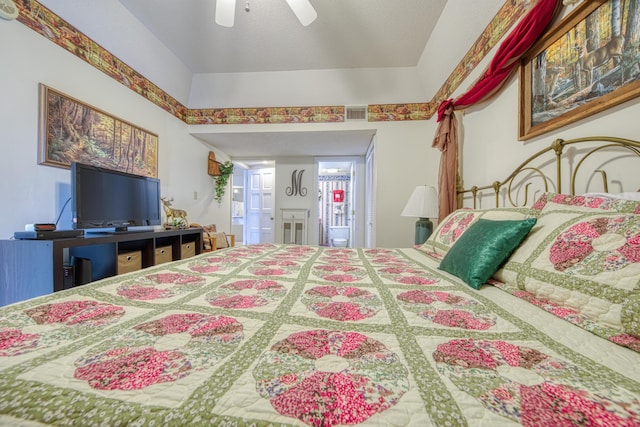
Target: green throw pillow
x=483, y=248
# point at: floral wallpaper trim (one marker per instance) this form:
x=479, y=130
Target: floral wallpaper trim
x=399, y=112
x=506, y=17
x=242, y=116
x=48, y=24
x=42, y=20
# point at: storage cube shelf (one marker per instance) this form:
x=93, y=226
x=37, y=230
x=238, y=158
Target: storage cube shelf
x=163, y=254
x=129, y=261
x=188, y=250
x=37, y=267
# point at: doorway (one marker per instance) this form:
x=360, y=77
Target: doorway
x=259, y=194
x=336, y=196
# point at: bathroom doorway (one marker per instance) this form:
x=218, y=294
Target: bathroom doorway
x=336, y=196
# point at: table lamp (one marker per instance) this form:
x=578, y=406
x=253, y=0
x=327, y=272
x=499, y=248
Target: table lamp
x=423, y=204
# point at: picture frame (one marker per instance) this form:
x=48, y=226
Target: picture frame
x=73, y=131
x=582, y=66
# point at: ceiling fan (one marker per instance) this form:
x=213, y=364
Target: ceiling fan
x=226, y=11
x=8, y=10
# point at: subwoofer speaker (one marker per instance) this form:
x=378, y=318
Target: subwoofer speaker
x=82, y=270
x=69, y=278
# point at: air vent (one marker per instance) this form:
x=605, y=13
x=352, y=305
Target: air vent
x=357, y=112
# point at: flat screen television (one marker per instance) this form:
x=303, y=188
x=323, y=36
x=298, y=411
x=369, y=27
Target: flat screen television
x=104, y=198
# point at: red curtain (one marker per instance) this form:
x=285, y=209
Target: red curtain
x=505, y=61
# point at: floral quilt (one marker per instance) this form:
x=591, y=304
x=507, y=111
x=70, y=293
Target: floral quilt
x=287, y=335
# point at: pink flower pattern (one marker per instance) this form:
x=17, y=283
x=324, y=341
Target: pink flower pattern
x=154, y=286
x=378, y=251
x=473, y=366
x=626, y=340
x=83, y=312
x=374, y=380
x=455, y=226
x=339, y=256
x=212, y=264
x=248, y=251
x=408, y=275
x=573, y=249
x=361, y=304
x=339, y=273
x=138, y=367
x=284, y=263
x=14, y=342
x=229, y=295
x=597, y=202
x=463, y=312
x=274, y=267
x=201, y=327
x=385, y=257
x=131, y=368
x=268, y=271
x=290, y=255
x=70, y=314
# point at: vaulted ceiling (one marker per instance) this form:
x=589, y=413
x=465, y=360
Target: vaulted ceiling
x=346, y=34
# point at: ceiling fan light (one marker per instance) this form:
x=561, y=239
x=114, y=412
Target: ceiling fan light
x=225, y=12
x=305, y=13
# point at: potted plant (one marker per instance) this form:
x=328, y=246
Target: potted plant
x=221, y=181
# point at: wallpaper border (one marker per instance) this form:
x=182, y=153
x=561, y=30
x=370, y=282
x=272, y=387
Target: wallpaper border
x=42, y=20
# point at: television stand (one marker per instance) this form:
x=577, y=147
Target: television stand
x=123, y=231
x=32, y=268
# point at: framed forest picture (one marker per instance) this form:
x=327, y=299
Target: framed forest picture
x=72, y=131
x=587, y=63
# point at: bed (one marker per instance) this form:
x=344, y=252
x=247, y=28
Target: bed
x=296, y=335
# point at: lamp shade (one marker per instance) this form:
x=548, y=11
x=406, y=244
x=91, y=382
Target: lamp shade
x=423, y=203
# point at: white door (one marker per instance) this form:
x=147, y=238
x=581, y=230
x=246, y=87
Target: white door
x=259, y=202
x=352, y=205
x=370, y=199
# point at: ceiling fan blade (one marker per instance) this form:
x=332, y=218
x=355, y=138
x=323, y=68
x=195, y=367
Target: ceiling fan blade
x=305, y=13
x=225, y=12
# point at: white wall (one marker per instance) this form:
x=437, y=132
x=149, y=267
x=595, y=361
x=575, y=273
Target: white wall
x=284, y=168
x=112, y=26
x=302, y=88
x=32, y=193
x=404, y=159
x=457, y=29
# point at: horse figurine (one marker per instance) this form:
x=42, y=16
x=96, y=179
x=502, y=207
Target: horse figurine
x=178, y=216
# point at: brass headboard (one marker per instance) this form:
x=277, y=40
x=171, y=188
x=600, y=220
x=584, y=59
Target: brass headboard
x=536, y=165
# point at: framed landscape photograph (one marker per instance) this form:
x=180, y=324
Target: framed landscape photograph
x=72, y=131
x=587, y=63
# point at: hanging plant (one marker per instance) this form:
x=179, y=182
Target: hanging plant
x=221, y=181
